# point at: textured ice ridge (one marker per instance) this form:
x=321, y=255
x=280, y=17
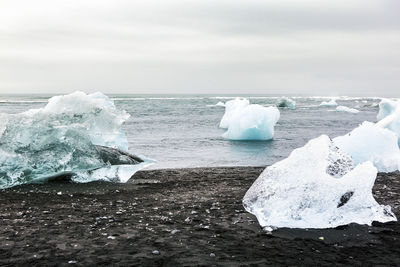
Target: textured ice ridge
x=317, y=186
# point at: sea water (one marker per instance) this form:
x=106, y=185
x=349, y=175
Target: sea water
x=183, y=130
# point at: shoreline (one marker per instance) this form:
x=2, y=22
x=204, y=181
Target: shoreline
x=174, y=217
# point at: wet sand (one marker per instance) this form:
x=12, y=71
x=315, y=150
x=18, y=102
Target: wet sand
x=177, y=217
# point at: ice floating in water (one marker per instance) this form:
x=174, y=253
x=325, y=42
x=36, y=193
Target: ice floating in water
x=369, y=142
x=347, y=109
x=389, y=116
x=253, y=122
x=232, y=108
x=63, y=138
x=331, y=103
x=285, y=102
x=317, y=186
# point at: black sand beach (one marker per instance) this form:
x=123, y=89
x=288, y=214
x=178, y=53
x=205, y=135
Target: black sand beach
x=177, y=217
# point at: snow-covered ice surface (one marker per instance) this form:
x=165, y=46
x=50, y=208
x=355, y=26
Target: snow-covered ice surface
x=389, y=116
x=253, y=122
x=61, y=138
x=232, y=108
x=330, y=103
x=285, y=102
x=369, y=142
x=317, y=186
x=347, y=109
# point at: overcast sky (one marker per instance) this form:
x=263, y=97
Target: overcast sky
x=318, y=47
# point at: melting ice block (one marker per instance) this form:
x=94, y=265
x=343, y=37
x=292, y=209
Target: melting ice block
x=63, y=137
x=232, y=108
x=369, y=142
x=317, y=186
x=389, y=116
x=331, y=103
x=253, y=122
x=285, y=102
x=347, y=109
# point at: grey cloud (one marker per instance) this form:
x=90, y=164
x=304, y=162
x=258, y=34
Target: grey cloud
x=204, y=46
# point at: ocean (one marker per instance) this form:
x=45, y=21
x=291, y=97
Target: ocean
x=182, y=130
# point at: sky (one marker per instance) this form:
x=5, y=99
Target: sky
x=311, y=47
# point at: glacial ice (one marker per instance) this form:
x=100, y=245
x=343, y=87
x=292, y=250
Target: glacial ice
x=285, y=102
x=62, y=137
x=331, y=103
x=253, y=122
x=389, y=116
x=232, y=108
x=317, y=186
x=347, y=109
x=369, y=142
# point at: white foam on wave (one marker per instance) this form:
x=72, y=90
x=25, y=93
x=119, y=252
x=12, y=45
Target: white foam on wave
x=347, y=109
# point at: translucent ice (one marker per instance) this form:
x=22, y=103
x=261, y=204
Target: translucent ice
x=387, y=107
x=232, y=108
x=317, y=186
x=389, y=116
x=331, y=103
x=253, y=122
x=62, y=138
x=347, y=109
x=285, y=102
x=369, y=142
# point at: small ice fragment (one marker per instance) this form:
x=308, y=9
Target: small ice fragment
x=111, y=237
x=156, y=252
x=285, y=102
x=72, y=262
x=321, y=238
x=268, y=229
x=59, y=193
x=187, y=219
x=212, y=255
x=175, y=231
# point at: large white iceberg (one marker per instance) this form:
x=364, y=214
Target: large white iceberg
x=389, y=116
x=331, y=103
x=65, y=136
x=285, y=102
x=253, y=122
x=347, y=109
x=317, y=186
x=232, y=108
x=369, y=142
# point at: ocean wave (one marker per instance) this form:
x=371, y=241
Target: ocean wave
x=10, y=101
